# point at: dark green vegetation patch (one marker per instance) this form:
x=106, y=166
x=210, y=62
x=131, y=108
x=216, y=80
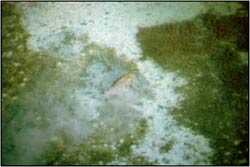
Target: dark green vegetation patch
x=212, y=53
x=20, y=65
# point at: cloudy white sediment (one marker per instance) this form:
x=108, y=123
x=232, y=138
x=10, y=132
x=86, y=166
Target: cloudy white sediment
x=64, y=29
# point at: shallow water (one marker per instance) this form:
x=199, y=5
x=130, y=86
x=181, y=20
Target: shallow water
x=66, y=111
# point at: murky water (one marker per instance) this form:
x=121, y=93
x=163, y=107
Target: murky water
x=95, y=99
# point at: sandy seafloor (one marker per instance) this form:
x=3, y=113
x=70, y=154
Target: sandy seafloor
x=64, y=30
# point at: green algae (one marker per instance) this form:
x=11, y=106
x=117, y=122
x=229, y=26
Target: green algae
x=21, y=68
x=20, y=65
x=97, y=149
x=167, y=147
x=206, y=51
